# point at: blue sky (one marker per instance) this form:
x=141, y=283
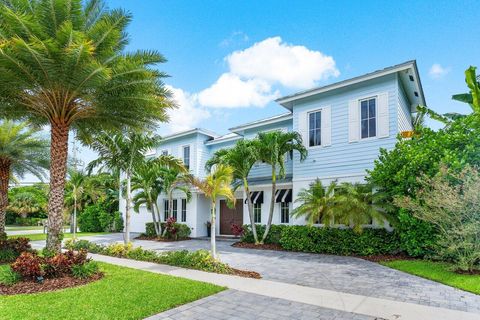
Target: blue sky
x=242, y=54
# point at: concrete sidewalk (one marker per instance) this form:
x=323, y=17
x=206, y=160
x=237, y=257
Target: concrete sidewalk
x=352, y=303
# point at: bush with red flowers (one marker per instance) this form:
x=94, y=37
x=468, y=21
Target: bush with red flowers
x=237, y=230
x=28, y=265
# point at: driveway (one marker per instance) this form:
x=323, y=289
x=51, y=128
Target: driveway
x=335, y=273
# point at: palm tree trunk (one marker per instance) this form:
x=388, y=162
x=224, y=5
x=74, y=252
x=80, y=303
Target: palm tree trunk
x=159, y=219
x=58, y=170
x=154, y=217
x=4, y=178
x=128, y=207
x=250, y=210
x=74, y=217
x=212, y=231
x=272, y=205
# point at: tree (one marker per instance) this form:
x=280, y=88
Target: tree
x=148, y=183
x=63, y=64
x=122, y=152
x=216, y=184
x=75, y=189
x=241, y=158
x=272, y=148
x=317, y=204
x=357, y=204
x=22, y=150
x=25, y=203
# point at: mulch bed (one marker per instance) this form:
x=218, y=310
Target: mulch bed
x=267, y=246
x=47, y=285
x=246, y=274
x=386, y=257
x=155, y=238
x=468, y=273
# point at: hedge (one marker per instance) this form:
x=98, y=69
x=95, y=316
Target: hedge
x=330, y=240
x=183, y=231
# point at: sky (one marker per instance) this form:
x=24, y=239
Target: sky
x=228, y=60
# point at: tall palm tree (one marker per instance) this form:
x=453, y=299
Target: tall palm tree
x=122, y=152
x=317, y=203
x=272, y=148
x=63, y=64
x=216, y=184
x=75, y=189
x=241, y=158
x=24, y=203
x=22, y=151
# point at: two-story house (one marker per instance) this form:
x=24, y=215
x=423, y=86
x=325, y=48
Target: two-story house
x=343, y=126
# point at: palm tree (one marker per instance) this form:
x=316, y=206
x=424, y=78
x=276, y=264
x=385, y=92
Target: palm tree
x=272, y=148
x=317, y=203
x=75, y=189
x=358, y=205
x=216, y=184
x=241, y=158
x=24, y=203
x=63, y=64
x=148, y=184
x=122, y=152
x=22, y=150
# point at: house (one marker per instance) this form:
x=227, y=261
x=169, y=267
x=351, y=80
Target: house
x=343, y=126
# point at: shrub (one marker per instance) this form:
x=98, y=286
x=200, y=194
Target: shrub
x=141, y=254
x=150, y=229
x=173, y=230
x=10, y=249
x=237, y=230
x=273, y=236
x=77, y=245
x=417, y=238
x=200, y=260
x=28, y=266
x=339, y=241
x=110, y=222
x=89, y=219
x=62, y=263
x=118, y=249
x=9, y=277
x=28, y=221
x=85, y=270
x=450, y=201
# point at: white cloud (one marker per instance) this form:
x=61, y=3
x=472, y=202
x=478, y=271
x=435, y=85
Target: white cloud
x=234, y=38
x=229, y=91
x=278, y=62
x=437, y=71
x=188, y=114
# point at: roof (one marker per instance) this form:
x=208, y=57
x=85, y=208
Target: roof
x=227, y=137
x=262, y=122
x=287, y=101
x=205, y=132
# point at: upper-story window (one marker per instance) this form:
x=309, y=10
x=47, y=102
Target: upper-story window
x=315, y=128
x=186, y=156
x=368, y=121
x=164, y=152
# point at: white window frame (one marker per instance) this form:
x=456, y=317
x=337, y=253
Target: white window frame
x=308, y=129
x=189, y=155
x=281, y=213
x=360, y=118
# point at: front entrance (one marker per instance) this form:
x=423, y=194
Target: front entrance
x=230, y=216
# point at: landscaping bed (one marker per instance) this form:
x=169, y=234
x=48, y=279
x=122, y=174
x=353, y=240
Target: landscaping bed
x=265, y=246
x=198, y=260
x=160, y=239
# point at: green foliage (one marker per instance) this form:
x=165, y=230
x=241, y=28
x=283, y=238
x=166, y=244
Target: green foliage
x=181, y=230
x=273, y=236
x=7, y=255
x=117, y=249
x=10, y=249
x=36, y=204
x=150, y=229
x=86, y=270
x=450, y=202
x=417, y=237
x=28, y=221
x=340, y=241
x=200, y=260
x=77, y=245
x=8, y=277
x=110, y=222
x=89, y=219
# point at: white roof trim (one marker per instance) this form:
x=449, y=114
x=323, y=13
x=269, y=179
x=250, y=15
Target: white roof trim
x=225, y=139
x=286, y=101
x=188, y=132
x=262, y=122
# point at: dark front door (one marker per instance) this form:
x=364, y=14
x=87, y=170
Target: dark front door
x=230, y=216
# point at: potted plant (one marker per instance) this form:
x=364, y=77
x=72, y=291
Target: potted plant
x=209, y=229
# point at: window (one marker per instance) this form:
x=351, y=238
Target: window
x=368, y=118
x=186, y=156
x=174, y=209
x=314, y=128
x=285, y=212
x=164, y=152
x=184, y=210
x=165, y=210
x=257, y=212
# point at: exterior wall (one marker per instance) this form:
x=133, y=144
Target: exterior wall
x=343, y=158
x=404, y=114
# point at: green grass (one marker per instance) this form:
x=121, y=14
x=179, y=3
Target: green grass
x=43, y=236
x=20, y=228
x=123, y=293
x=437, y=271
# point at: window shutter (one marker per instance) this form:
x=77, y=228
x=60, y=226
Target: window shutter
x=303, y=127
x=383, y=116
x=353, y=121
x=326, y=126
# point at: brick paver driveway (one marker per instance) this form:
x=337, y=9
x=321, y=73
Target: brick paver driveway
x=343, y=274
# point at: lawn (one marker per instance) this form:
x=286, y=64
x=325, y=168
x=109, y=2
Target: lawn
x=20, y=228
x=123, y=293
x=437, y=271
x=43, y=236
